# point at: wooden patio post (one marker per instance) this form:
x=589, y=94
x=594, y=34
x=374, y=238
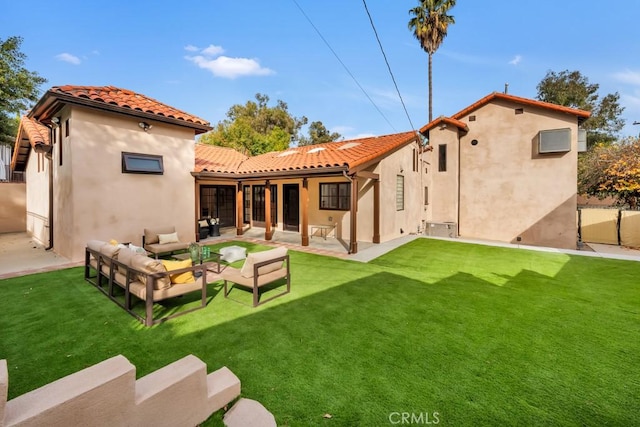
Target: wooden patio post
x=353, y=233
x=267, y=211
x=376, y=211
x=197, y=212
x=239, y=210
x=305, y=211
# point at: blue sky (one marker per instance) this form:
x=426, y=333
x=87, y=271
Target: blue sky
x=205, y=56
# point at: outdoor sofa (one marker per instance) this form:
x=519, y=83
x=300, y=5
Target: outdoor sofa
x=260, y=269
x=162, y=240
x=142, y=277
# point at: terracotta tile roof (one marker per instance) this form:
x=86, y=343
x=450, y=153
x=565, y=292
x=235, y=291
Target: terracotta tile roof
x=346, y=154
x=522, y=101
x=36, y=131
x=125, y=100
x=444, y=120
x=30, y=133
x=211, y=158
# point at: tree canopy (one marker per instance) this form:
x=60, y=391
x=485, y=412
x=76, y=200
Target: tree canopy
x=572, y=89
x=429, y=23
x=612, y=170
x=318, y=134
x=19, y=87
x=255, y=128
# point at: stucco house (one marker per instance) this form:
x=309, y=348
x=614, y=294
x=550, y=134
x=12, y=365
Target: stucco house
x=358, y=190
x=505, y=169
x=103, y=163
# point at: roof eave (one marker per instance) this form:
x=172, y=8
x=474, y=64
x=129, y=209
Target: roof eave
x=294, y=173
x=52, y=102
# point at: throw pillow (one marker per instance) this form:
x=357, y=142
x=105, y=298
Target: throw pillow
x=232, y=253
x=186, y=277
x=137, y=249
x=168, y=238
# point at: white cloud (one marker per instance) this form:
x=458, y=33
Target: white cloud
x=191, y=48
x=224, y=66
x=342, y=129
x=213, y=50
x=628, y=76
x=516, y=60
x=67, y=57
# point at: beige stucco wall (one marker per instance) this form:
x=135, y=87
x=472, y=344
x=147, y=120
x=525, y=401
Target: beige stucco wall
x=395, y=223
x=37, y=178
x=13, y=207
x=508, y=190
x=95, y=200
x=443, y=186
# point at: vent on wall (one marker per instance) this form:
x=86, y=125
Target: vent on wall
x=582, y=140
x=554, y=141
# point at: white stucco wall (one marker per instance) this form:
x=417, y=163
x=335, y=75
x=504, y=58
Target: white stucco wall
x=94, y=199
x=37, y=197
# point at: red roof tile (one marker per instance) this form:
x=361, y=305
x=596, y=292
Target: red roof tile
x=36, y=131
x=523, y=101
x=127, y=100
x=211, y=158
x=444, y=120
x=347, y=154
x=30, y=133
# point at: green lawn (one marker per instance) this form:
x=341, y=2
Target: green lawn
x=479, y=335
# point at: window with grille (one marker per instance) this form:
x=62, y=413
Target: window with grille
x=335, y=196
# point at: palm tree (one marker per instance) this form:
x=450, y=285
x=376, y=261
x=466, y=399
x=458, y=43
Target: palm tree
x=429, y=24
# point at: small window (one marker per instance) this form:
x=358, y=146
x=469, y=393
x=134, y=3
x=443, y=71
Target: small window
x=142, y=163
x=335, y=196
x=399, y=192
x=472, y=118
x=519, y=110
x=426, y=196
x=442, y=158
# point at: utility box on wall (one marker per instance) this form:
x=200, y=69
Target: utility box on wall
x=442, y=229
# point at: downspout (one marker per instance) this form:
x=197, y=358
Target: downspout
x=459, y=177
x=49, y=157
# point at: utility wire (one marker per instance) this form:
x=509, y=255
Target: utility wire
x=388, y=66
x=343, y=64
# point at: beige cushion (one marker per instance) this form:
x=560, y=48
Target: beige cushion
x=256, y=257
x=125, y=256
x=151, y=234
x=149, y=266
x=110, y=252
x=157, y=248
x=233, y=275
x=95, y=245
x=163, y=239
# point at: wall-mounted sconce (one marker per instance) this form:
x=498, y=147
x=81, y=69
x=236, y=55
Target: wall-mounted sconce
x=401, y=170
x=55, y=121
x=145, y=126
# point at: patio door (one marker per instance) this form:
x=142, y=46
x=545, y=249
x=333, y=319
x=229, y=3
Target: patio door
x=219, y=201
x=258, y=205
x=291, y=207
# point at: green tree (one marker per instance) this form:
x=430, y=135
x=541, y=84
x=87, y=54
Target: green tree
x=429, y=24
x=19, y=87
x=572, y=89
x=612, y=170
x=318, y=134
x=256, y=128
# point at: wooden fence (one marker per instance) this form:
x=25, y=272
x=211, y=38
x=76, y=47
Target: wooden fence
x=609, y=226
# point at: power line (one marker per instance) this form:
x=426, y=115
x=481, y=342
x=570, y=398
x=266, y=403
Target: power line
x=343, y=64
x=388, y=66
